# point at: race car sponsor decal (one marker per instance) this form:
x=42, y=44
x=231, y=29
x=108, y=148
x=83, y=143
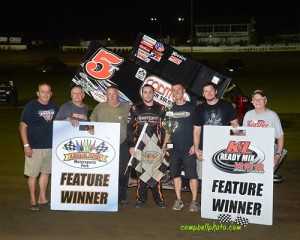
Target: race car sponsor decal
x=141, y=54
x=159, y=47
x=141, y=74
x=155, y=56
x=162, y=90
x=158, y=53
x=102, y=64
x=177, y=58
x=96, y=73
x=145, y=48
x=148, y=41
x=148, y=44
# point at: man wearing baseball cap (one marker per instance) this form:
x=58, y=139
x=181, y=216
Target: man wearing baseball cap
x=261, y=116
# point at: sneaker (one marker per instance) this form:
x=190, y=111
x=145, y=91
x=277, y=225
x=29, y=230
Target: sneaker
x=139, y=204
x=132, y=182
x=123, y=202
x=194, y=206
x=277, y=178
x=162, y=205
x=178, y=205
x=185, y=189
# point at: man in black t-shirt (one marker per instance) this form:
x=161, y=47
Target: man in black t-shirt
x=182, y=156
x=36, y=129
x=213, y=111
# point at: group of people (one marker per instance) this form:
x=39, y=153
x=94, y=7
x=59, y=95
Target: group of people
x=36, y=127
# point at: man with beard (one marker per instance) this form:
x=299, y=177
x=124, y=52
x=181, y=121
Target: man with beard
x=213, y=111
x=151, y=112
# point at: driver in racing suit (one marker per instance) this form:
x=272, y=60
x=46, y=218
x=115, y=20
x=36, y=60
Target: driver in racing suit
x=151, y=112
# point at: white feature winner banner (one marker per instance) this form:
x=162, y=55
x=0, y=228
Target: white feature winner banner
x=85, y=166
x=237, y=174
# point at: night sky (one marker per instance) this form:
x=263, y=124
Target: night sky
x=96, y=19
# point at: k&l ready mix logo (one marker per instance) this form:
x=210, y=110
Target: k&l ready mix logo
x=85, y=152
x=239, y=157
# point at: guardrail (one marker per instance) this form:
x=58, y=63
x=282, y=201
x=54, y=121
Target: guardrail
x=186, y=49
x=12, y=47
x=208, y=49
x=83, y=49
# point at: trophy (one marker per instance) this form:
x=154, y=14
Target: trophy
x=169, y=125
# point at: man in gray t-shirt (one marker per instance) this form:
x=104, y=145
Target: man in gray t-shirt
x=261, y=116
x=74, y=110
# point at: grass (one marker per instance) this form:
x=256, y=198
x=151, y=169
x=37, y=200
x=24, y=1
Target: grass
x=276, y=73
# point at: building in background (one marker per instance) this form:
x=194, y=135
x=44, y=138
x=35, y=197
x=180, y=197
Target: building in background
x=225, y=31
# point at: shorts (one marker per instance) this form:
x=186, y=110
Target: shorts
x=199, y=169
x=182, y=161
x=40, y=162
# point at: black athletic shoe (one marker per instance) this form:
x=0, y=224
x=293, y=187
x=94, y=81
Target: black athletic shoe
x=162, y=205
x=139, y=204
x=123, y=202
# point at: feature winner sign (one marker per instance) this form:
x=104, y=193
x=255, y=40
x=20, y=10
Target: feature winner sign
x=237, y=177
x=84, y=163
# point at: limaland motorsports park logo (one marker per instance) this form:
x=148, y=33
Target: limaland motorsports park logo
x=85, y=152
x=239, y=157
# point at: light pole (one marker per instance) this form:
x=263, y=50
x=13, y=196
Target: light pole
x=181, y=29
x=192, y=27
x=153, y=21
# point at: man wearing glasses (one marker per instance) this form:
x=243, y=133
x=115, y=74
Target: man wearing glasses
x=261, y=116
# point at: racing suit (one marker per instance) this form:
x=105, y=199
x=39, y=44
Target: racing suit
x=140, y=114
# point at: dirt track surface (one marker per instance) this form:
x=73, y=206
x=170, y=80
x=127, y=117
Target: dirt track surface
x=150, y=222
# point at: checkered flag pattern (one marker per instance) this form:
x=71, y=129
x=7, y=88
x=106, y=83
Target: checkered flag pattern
x=224, y=218
x=70, y=146
x=241, y=221
x=101, y=148
x=149, y=159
